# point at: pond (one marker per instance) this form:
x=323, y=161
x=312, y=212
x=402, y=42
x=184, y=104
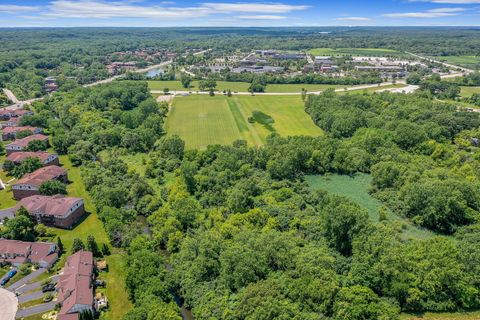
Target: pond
x=154, y=72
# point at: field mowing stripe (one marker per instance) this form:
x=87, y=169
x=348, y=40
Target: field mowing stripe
x=237, y=115
x=257, y=140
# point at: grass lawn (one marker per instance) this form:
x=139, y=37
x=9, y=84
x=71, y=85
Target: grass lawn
x=115, y=290
x=239, y=86
x=472, y=62
x=467, y=92
x=6, y=196
x=473, y=315
x=354, y=52
x=204, y=120
x=31, y=303
x=356, y=189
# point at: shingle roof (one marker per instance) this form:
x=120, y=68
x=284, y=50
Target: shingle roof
x=8, y=130
x=41, y=175
x=57, y=205
x=25, y=141
x=20, y=156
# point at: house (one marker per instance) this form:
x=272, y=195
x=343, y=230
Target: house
x=75, y=286
x=22, y=144
x=54, y=211
x=11, y=122
x=30, y=183
x=10, y=133
x=47, y=159
x=50, y=84
x=19, y=252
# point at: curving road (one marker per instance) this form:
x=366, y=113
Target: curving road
x=8, y=305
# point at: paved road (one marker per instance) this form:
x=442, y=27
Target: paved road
x=26, y=279
x=440, y=62
x=41, y=308
x=11, y=96
x=8, y=305
x=36, y=285
x=29, y=297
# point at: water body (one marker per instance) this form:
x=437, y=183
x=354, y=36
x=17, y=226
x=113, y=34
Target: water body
x=155, y=72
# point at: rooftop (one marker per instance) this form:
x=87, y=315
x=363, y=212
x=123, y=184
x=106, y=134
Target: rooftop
x=57, y=205
x=41, y=175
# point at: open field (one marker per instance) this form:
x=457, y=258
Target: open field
x=239, y=86
x=356, y=189
x=467, y=92
x=354, y=52
x=204, y=120
x=473, y=315
x=472, y=62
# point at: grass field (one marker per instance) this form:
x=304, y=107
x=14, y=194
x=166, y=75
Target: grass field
x=472, y=62
x=467, y=92
x=354, y=52
x=239, y=86
x=356, y=189
x=204, y=120
x=474, y=315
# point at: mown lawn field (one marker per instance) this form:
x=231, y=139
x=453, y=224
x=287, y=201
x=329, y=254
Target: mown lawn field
x=467, y=92
x=473, y=315
x=204, y=120
x=239, y=86
x=356, y=189
x=354, y=52
x=472, y=62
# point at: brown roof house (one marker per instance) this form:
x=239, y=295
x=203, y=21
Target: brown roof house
x=18, y=252
x=6, y=114
x=22, y=144
x=75, y=286
x=9, y=133
x=48, y=159
x=57, y=211
x=30, y=183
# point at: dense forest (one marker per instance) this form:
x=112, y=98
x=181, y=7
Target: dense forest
x=234, y=232
x=77, y=55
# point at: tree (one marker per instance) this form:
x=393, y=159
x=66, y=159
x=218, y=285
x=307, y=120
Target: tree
x=86, y=315
x=77, y=245
x=92, y=246
x=52, y=187
x=60, y=245
x=166, y=91
x=28, y=165
x=105, y=250
x=229, y=93
x=23, y=134
x=37, y=145
x=21, y=227
x=186, y=81
x=211, y=93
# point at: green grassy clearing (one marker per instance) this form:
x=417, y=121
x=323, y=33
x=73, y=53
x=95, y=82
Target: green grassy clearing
x=356, y=189
x=31, y=303
x=354, y=52
x=467, y=92
x=472, y=62
x=6, y=196
x=204, y=120
x=473, y=315
x=239, y=86
x=115, y=290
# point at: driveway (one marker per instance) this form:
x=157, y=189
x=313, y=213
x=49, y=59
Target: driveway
x=8, y=305
x=26, y=279
x=7, y=213
x=41, y=308
x=36, y=285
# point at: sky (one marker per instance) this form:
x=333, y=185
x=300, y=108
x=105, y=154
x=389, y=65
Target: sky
x=214, y=13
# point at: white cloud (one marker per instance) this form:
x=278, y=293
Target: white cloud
x=128, y=9
x=353, y=19
x=12, y=8
x=262, y=17
x=433, y=13
x=254, y=7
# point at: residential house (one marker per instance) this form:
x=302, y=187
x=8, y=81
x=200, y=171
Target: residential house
x=10, y=133
x=19, y=252
x=75, y=286
x=30, y=183
x=55, y=211
x=47, y=159
x=22, y=144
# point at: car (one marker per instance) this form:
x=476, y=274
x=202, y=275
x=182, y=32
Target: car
x=12, y=273
x=48, y=287
x=4, y=281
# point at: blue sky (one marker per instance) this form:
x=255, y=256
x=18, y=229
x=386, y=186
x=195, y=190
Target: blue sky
x=69, y=13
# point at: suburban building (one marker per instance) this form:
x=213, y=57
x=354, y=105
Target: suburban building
x=19, y=252
x=379, y=68
x=50, y=84
x=30, y=183
x=55, y=211
x=258, y=69
x=12, y=122
x=48, y=159
x=9, y=133
x=75, y=286
x=6, y=114
x=22, y=144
